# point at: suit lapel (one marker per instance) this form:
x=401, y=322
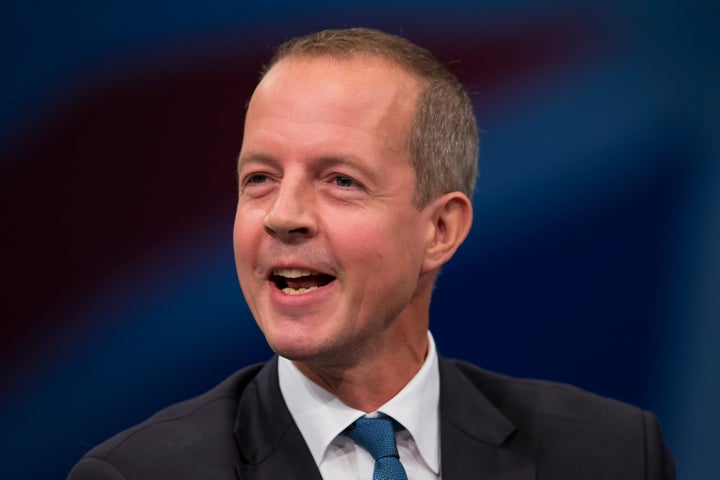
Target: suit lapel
x=474, y=434
x=271, y=446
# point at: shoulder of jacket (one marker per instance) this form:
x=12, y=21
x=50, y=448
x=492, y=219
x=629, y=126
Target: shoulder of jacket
x=543, y=396
x=220, y=400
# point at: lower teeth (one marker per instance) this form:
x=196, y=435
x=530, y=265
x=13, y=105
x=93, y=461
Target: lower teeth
x=298, y=291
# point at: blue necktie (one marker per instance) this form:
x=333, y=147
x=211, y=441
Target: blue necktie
x=377, y=436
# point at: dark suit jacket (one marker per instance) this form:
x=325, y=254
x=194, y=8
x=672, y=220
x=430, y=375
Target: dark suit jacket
x=492, y=427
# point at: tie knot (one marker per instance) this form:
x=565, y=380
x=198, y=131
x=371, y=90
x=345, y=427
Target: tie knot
x=376, y=435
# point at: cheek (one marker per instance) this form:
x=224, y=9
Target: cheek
x=377, y=246
x=403, y=245
x=246, y=231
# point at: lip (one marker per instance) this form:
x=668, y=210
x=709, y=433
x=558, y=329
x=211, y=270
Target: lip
x=289, y=265
x=321, y=268
x=299, y=271
x=282, y=300
x=292, y=304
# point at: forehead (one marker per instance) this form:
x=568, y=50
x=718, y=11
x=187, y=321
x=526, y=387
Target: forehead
x=367, y=93
x=362, y=72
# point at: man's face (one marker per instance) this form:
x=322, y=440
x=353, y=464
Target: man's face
x=329, y=246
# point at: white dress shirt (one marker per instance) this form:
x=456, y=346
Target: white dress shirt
x=321, y=418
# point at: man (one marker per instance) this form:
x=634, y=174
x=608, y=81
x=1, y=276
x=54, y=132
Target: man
x=355, y=176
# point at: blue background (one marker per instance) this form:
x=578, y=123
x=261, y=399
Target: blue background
x=594, y=257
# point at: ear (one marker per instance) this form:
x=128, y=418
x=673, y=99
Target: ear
x=451, y=217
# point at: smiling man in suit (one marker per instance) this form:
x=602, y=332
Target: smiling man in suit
x=357, y=167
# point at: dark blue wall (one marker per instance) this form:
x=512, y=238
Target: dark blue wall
x=594, y=257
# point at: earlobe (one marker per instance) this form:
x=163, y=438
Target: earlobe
x=451, y=217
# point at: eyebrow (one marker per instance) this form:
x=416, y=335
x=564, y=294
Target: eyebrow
x=325, y=161
x=349, y=161
x=256, y=157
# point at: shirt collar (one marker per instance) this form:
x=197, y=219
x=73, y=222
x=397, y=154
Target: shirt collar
x=321, y=416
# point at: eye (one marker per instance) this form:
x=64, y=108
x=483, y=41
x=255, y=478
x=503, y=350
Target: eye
x=345, y=182
x=256, y=179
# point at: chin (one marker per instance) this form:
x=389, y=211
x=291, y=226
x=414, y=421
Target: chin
x=295, y=349
x=301, y=339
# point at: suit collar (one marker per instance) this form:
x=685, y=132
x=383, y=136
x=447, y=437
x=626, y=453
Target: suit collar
x=271, y=446
x=474, y=434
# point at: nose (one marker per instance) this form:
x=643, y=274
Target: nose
x=292, y=217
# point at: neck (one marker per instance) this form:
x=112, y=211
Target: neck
x=371, y=382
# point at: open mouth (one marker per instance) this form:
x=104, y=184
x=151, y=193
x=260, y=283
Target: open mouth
x=298, y=281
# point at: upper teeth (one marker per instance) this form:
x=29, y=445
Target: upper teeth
x=293, y=272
